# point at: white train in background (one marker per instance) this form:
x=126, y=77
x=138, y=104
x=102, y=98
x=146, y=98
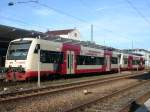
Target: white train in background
x=63, y=58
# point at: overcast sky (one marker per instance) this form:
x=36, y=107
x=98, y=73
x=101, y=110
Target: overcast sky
x=116, y=22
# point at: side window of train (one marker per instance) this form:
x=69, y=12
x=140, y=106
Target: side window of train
x=114, y=60
x=42, y=56
x=105, y=61
x=89, y=60
x=144, y=62
x=51, y=56
x=37, y=47
x=125, y=61
x=136, y=62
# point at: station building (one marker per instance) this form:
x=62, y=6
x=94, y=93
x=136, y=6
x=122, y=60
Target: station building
x=67, y=33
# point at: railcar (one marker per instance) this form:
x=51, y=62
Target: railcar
x=137, y=63
x=131, y=62
x=125, y=61
x=22, y=59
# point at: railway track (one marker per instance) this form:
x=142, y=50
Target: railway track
x=132, y=105
x=4, y=83
x=12, y=87
x=94, y=105
x=16, y=85
x=13, y=96
x=22, y=99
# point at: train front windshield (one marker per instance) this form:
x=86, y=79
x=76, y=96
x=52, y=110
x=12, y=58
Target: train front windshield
x=18, y=50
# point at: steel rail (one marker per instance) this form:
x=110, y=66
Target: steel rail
x=44, y=91
x=91, y=102
x=130, y=106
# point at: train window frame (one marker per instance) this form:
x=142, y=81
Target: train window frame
x=114, y=60
x=90, y=60
x=18, y=47
x=51, y=57
x=136, y=62
x=125, y=60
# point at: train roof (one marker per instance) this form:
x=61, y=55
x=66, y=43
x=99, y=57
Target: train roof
x=83, y=43
x=8, y=33
x=128, y=52
x=73, y=42
x=19, y=39
x=78, y=42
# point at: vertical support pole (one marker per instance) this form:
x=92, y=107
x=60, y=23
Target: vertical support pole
x=119, y=71
x=137, y=67
x=132, y=59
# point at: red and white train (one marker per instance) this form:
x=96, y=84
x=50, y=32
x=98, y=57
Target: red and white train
x=63, y=58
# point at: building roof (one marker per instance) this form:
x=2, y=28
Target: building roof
x=8, y=33
x=60, y=32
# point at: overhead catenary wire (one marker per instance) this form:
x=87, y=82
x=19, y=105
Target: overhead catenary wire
x=46, y=6
x=84, y=4
x=74, y=17
x=62, y=12
x=91, y=9
x=21, y=22
x=148, y=3
x=30, y=1
x=81, y=20
x=13, y=19
x=87, y=7
x=138, y=11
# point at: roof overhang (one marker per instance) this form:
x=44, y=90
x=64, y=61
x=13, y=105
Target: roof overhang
x=8, y=33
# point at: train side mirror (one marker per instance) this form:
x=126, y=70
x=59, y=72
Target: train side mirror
x=37, y=47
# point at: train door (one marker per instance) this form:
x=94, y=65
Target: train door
x=107, y=61
x=130, y=59
x=70, y=63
